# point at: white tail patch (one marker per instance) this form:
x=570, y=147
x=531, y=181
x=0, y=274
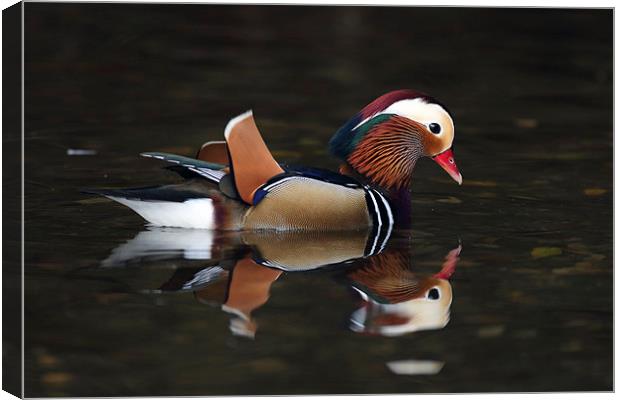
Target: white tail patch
x=192, y=213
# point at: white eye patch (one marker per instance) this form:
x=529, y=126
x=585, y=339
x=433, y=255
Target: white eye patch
x=433, y=116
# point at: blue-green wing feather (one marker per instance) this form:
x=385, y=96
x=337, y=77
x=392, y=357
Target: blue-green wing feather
x=209, y=170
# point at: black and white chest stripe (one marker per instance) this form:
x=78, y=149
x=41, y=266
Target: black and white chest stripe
x=382, y=217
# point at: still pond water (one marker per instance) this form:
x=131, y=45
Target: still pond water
x=114, y=307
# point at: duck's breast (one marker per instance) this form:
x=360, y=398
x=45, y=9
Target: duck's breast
x=303, y=203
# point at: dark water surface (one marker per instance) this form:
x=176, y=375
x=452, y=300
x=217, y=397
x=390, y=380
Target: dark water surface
x=531, y=297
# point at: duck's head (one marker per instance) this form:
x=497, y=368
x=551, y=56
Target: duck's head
x=386, y=138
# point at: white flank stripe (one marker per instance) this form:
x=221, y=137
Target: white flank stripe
x=193, y=213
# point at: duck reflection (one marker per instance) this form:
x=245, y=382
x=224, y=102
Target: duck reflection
x=158, y=243
x=394, y=299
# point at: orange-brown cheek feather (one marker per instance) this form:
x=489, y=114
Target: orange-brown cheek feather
x=431, y=145
x=388, y=153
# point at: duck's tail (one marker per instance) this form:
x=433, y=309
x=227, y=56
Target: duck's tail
x=189, y=204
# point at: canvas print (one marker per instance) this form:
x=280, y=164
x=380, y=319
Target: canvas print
x=306, y=200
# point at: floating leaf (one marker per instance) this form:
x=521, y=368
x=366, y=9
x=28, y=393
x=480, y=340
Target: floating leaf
x=415, y=367
x=56, y=378
x=572, y=346
x=594, y=191
x=578, y=248
x=491, y=331
x=526, y=123
x=81, y=152
x=583, y=265
x=597, y=257
x=541, y=252
x=578, y=269
x=47, y=360
x=450, y=200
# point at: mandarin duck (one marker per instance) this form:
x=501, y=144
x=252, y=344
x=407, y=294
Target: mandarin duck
x=236, y=184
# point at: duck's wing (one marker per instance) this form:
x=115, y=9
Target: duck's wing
x=213, y=171
x=252, y=164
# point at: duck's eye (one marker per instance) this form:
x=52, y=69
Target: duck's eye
x=433, y=294
x=434, y=127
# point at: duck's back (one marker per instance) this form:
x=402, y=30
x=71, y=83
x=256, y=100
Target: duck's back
x=304, y=203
